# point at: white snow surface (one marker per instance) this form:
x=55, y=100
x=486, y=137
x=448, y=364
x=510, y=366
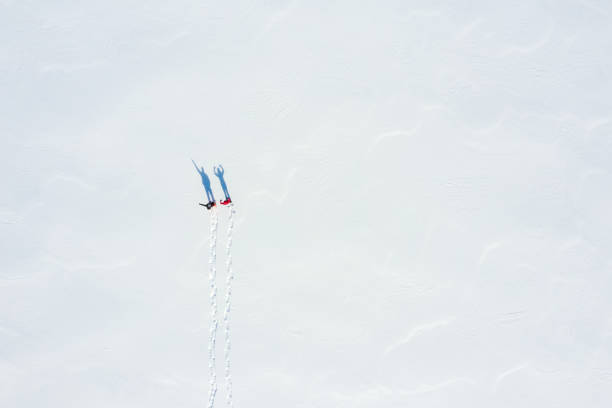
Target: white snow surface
x=422, y=188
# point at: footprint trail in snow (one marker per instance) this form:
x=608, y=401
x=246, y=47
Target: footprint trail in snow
x=212, y=279
x=228, y=304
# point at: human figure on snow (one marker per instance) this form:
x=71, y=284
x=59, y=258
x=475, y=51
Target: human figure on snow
x=206, y=183
x=219, y=171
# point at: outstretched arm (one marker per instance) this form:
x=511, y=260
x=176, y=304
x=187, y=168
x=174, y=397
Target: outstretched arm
x=219, y=170
x=196, y=166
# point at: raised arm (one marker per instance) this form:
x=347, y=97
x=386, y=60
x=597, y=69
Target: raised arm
x=219, y=170
x=196, y=166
